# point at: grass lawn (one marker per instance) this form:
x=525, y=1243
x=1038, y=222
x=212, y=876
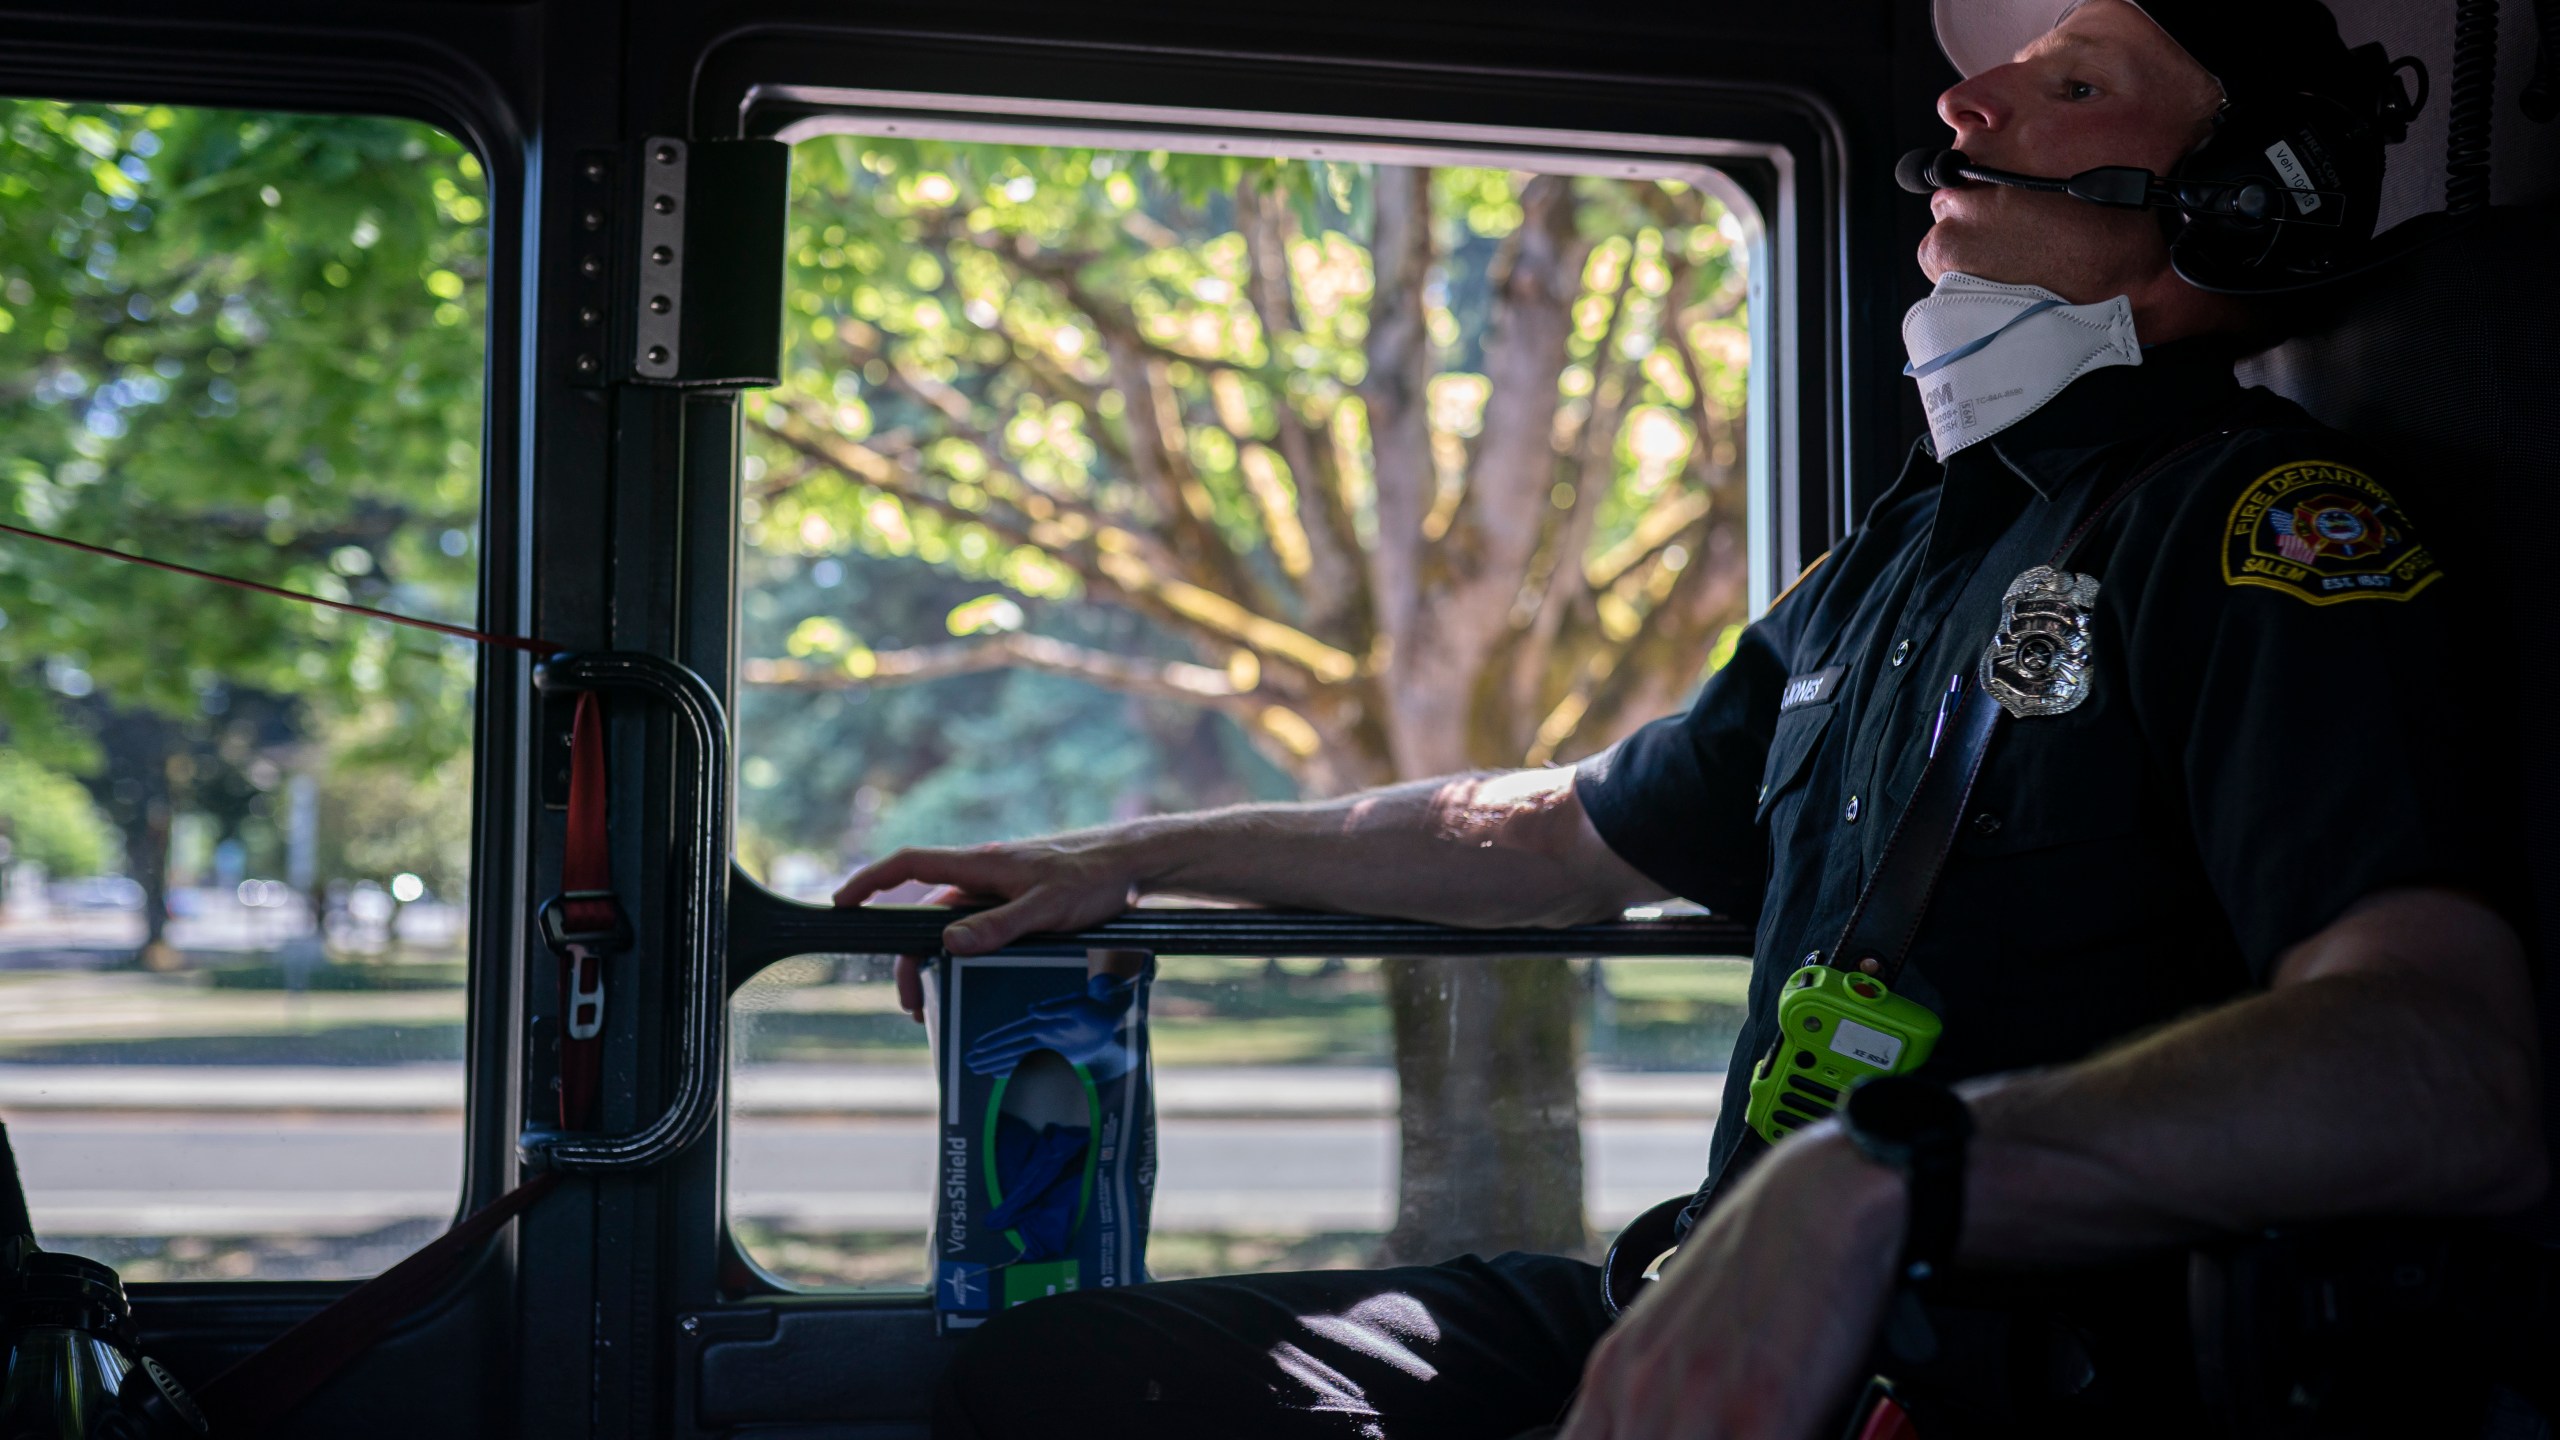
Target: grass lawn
x=1648, y=1014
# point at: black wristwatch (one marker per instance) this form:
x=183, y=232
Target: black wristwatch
x=1918, y=1127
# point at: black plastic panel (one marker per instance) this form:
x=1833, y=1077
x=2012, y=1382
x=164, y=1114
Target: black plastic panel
x=831, y=1369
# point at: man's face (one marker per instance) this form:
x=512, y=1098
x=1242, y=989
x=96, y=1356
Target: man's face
x=2104, y=87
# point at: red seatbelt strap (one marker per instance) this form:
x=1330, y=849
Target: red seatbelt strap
x=585, y=923
x=247, y=1400
x=1887, y=1421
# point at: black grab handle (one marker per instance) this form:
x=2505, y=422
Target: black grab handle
x=702, y=925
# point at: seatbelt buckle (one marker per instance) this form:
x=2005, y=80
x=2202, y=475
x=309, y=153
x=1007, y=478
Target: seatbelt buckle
x=611, y=939
x=585, y=950
x=586, y=993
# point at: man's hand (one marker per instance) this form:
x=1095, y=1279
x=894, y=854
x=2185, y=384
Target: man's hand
x=1061, y=884
x=1760, y=1328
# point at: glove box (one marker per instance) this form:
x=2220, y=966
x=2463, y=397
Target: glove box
x=1048, y=1128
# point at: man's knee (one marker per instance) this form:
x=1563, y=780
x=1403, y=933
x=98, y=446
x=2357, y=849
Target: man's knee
x=1018, y=1365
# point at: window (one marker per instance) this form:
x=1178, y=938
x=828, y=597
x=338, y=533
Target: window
x=235, y=831
x=1108, y=482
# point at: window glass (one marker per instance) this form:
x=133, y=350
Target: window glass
x=1276, y=1101
x=234, y=830
x=1107, y=483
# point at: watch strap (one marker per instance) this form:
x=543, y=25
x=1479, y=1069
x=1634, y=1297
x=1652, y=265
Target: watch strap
x=1929, y=1155
x=1935, y=1225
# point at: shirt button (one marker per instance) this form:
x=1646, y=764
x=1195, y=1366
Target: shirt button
x=1849, y=812
x=1986, y=823
x=1901, y=652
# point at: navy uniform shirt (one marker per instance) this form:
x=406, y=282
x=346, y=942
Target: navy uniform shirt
x=2271, y=729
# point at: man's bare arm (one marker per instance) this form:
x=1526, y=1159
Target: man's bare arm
x=2393, y=1066
x=1505, y=848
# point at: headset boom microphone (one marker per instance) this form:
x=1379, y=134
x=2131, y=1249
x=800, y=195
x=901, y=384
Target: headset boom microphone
x=2121, y=187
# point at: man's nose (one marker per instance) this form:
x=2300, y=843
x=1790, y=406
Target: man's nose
x=1976, y=106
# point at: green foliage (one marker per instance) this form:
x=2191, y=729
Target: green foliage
x=849, y=773
x=1045, y=372
x=49, y=820
x=378, y=820
x=999, y=270
x=252, y=343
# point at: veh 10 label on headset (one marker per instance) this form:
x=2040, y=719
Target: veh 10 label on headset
x=2306, y=195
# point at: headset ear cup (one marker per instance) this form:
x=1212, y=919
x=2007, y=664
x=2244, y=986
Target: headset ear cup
x=2284, y=146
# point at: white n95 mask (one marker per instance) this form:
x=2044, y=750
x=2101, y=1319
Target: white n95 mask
x=1988, y=355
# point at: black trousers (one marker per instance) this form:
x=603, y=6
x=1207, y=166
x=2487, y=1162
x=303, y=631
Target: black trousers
x=1467, y=1350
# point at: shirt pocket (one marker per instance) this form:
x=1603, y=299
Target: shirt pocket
x=1791, y=748
x=2042, y=791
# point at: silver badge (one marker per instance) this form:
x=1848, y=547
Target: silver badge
x=2039, y=662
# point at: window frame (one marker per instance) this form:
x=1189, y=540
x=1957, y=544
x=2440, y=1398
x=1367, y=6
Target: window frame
x=1761, y=179
x=438, y=89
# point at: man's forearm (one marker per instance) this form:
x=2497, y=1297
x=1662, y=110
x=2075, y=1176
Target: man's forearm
x=2362, y=1089
x=1508, y=848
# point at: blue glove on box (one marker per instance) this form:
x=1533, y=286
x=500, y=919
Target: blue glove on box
x=1085, y=1028
x=1042, y=1172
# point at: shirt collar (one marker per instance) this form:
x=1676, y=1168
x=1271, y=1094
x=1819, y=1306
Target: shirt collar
x=2177, y=386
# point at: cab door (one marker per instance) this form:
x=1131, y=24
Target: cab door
x=263, y=928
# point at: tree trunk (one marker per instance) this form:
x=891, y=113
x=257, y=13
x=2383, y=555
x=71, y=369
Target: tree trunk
x=133, y=788
x=1486, y=1059
x=1491, y=1109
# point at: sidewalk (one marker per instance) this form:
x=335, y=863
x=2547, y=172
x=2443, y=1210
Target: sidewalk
x=1228, y=1092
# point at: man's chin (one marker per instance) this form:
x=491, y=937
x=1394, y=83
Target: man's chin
x=1953, y=244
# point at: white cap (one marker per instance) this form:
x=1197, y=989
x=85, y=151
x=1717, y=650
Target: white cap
x=1978, y=34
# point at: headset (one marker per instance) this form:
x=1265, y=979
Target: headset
x=2282, y=195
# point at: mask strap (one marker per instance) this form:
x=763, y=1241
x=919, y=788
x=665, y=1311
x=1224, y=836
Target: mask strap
x=1970, y=347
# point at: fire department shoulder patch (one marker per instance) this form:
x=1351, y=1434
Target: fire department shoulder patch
x=2324, y=533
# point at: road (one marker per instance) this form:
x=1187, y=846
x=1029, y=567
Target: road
x=342, y=1174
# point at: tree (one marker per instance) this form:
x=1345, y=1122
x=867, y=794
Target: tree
x=47, y=820
x=250, y=342
x=1410, y=471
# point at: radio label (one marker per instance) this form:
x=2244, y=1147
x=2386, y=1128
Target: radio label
x=1866, y=1044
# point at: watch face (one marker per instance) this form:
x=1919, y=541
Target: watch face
x=1901, y=1110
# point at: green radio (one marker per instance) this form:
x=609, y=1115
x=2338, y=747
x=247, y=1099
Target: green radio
x=1835, y=1028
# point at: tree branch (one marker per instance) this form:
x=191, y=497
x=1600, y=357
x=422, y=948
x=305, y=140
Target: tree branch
x=1564, y=586
x=1396, y=394
x=1336, y=588
x=1536, y=279
x=811, y=436
x=1129, y=674
x=1450, y=668
x=959, y=418
x=1115, y=561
